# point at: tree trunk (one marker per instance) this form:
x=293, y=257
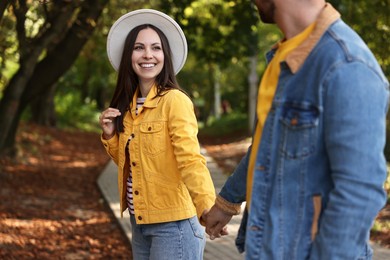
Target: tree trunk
x=253, y=79
x=217, y=92
x=3, y=6
x=209, y=95
x=65, y=53
x=34, y=79
x=43, y=108
x=10, y=102
x=9, y=143
x=9, y=105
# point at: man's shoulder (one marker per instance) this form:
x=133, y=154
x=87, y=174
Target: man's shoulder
x=347, y=41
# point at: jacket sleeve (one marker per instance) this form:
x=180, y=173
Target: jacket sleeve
x=111, y=147
x=183, y=130
x=234, y=189
x=354, y=134
x=233, y=192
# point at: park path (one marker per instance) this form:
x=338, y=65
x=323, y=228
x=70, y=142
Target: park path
x=221, y=248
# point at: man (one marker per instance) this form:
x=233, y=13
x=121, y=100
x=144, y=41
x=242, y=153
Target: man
x=313, y=176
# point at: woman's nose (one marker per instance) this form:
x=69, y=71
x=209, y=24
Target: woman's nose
x=148, y=53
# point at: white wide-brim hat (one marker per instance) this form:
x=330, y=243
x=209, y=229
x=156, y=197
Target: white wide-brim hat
x=121, y=28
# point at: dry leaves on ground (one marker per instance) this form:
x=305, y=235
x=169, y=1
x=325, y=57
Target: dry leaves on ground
x=51, y=207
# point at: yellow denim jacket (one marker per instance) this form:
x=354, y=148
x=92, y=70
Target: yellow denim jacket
x=170, y=177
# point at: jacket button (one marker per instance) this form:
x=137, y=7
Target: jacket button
x=136, y=192
x=132, y=135
x=260, y=168
x=139, y=218
x=149, y=128
x=294, y=121
x=133, y=163
x=255, y=228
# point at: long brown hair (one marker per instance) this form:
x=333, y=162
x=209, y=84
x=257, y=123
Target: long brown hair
x=127, y=82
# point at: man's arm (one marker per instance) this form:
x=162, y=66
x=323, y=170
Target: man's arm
x=228, y=202
x=355, y=133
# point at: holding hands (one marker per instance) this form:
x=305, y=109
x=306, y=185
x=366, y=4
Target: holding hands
x=215, y=221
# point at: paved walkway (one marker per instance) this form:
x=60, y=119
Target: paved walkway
x=221, y=248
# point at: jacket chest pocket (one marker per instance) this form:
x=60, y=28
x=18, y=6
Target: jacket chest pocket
x=153, y=138
x=299, y=127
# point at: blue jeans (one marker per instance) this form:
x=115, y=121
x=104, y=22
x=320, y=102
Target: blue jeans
x=183, y=239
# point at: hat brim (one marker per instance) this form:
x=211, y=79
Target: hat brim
x=121, y=28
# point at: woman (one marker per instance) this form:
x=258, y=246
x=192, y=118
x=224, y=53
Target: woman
x=150, y=131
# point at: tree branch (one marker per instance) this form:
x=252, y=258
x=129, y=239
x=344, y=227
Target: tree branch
x=55, y=31
x=20, y=11
x=3, y=6
x=65, y=53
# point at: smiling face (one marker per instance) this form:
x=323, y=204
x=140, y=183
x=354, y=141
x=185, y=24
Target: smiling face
x=148, y=57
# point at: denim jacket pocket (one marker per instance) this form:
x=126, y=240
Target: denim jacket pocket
x=299, y=121
x=153, y=138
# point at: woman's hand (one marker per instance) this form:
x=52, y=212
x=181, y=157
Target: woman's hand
x=106, y=119
x=215, y=221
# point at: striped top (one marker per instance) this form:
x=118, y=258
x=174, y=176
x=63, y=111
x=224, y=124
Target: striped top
x=129, y=183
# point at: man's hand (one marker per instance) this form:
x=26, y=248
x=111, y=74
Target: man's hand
x=216, y=221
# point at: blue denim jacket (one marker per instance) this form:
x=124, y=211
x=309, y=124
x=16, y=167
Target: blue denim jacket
x=320, y=167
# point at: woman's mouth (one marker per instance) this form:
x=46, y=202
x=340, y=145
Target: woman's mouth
x=147, y=65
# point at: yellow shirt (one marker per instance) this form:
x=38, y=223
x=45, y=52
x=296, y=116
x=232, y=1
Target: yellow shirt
x=266, y=94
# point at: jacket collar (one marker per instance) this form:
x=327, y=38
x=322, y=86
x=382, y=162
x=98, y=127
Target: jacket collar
x=298, y=56
x=152, y=99
x=150, y=102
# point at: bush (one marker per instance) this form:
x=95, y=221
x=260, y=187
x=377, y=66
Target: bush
x=72, y=112
x=232, y=126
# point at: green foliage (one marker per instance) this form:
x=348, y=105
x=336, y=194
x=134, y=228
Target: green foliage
x=234, y=85
x=387, y=185
x=8, y=50
x=73, y=112
x=228, y=124
x=196, y=80
x=381, y=226
x=219, y=33
x=9, y=69
x=212, y=27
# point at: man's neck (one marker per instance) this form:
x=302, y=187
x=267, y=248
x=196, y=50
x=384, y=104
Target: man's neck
x=295, y=18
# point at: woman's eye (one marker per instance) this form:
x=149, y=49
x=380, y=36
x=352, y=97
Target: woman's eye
x=138, y=48
x=157, y=48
